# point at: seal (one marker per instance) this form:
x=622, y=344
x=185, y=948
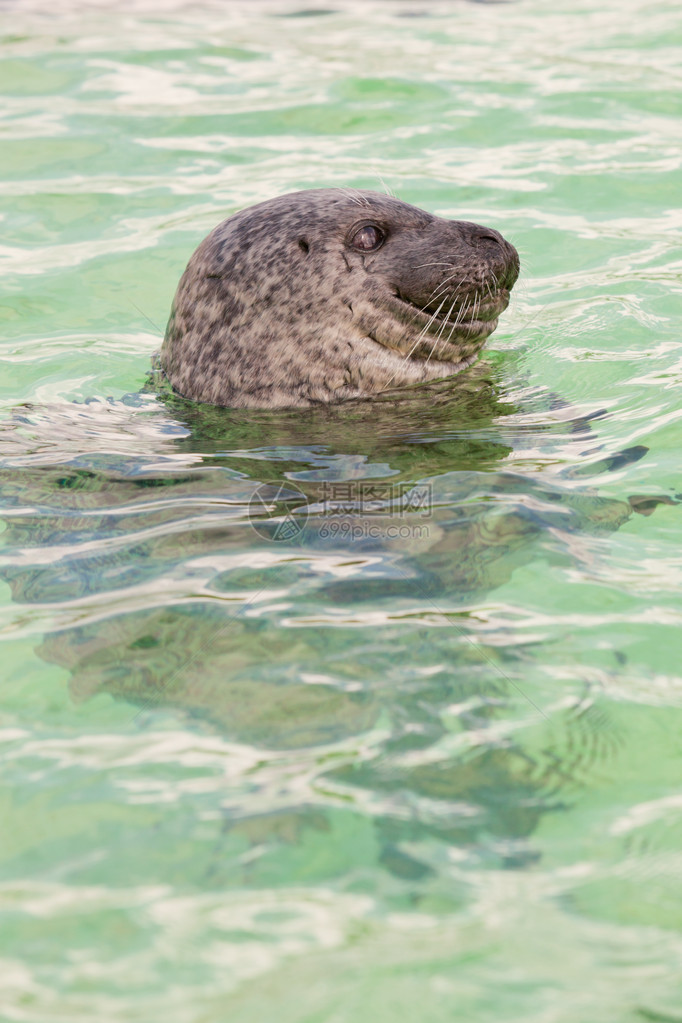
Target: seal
x=324, y=295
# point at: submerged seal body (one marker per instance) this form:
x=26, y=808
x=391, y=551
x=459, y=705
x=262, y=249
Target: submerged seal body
x=327, y=294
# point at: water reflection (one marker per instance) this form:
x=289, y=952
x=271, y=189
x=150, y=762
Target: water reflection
x=159, y=580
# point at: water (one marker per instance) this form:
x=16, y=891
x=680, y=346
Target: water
x=420, y=757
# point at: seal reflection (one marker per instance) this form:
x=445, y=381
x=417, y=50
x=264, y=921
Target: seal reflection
x=165, y=596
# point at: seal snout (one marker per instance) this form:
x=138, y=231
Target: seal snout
x=470, y=273
x=501, y=256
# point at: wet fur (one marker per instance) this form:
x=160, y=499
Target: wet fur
x=277, y=309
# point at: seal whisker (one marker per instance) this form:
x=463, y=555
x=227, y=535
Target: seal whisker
x=459, y=317
x=447, y=281
x=463, y=310
x=424, y=329
x=476, y=307
x=441, y=262
x=385, y=187
x=442, y=328
x=355, y=197
x=446, y=318
x=440, y=284
x=438, y=290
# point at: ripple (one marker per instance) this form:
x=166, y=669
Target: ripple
x=386, y=776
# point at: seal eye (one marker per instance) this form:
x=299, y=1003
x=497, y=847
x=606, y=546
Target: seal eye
x=367, y=238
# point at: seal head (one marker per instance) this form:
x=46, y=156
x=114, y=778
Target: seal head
x=324, y=295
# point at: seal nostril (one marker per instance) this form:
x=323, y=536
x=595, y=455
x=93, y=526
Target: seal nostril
x=303, y=245
x=479, y=234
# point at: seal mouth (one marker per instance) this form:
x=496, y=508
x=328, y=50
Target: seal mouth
x=456, y=328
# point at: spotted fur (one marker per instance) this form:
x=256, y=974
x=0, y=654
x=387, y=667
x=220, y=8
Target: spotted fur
x=278, y=308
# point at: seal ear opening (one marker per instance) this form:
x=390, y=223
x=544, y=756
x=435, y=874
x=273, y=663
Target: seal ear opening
x=303, y=246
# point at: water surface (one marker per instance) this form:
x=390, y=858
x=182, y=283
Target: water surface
x=358, y=713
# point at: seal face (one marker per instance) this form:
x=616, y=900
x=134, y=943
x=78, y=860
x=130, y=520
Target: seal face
x=328, y=294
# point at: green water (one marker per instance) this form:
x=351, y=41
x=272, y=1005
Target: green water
x=420, y=756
